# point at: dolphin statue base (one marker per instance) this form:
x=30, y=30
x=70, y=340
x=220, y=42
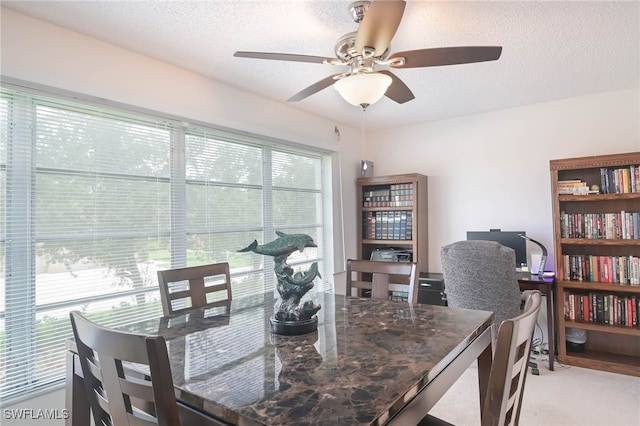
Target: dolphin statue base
x=290, y=318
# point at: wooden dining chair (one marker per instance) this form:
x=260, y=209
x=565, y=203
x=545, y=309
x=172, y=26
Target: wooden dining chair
x=205, y=285
x=382, y=278
x=509, y=368
x=117, y=394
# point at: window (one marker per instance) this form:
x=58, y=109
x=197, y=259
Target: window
x=94, y=200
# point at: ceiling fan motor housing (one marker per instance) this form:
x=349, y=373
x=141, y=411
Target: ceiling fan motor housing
x=358, y=9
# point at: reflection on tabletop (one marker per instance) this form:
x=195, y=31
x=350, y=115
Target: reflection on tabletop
x=365, y=357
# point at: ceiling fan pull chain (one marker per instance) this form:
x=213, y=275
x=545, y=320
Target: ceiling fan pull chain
x=364, y=139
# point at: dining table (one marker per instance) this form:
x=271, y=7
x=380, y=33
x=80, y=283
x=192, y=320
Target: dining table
x=370, y=361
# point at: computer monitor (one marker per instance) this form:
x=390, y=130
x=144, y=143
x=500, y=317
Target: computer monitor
x=506, y=238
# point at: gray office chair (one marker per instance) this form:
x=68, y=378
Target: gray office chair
x=481, y=275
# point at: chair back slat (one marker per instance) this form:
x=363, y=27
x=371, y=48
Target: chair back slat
x=140, y=419
x=118, y=394
x=94, y=369
x=102, y=401
x=380, y=277
x=184, y=289
x=380, y=286
x=139, y=388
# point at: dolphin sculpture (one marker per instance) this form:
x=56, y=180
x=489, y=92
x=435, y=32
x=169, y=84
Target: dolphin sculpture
x=284, y=245
x=301, y=278
x=289, y=317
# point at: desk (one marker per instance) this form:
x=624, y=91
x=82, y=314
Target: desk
x=546, y=285
x=370, y=362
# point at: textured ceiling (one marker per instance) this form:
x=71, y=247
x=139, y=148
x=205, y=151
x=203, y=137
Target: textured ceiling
x=551, y=50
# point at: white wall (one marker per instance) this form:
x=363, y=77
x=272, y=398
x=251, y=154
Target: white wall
x=492, y=170
x=25, y=413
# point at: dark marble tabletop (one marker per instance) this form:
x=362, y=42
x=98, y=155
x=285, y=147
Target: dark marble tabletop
x=365, y=357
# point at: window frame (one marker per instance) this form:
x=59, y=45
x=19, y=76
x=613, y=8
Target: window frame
x=179, y=127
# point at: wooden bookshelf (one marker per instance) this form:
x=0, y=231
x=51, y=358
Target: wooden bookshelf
x=597, y=250
x=398, y=206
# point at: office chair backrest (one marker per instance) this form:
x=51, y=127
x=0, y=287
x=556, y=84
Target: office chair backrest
x=206, y=285
x=119, y=395
x=509, y=368
x=381, y=277
x=481, y=275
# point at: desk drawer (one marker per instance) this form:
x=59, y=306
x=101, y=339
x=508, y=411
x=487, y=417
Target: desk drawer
x=431, y=289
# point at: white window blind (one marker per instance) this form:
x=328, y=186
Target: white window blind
x=238, y=192
x=94, y=200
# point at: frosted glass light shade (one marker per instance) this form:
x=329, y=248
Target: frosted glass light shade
x=363, y=89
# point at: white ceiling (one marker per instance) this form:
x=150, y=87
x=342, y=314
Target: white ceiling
x=551, y=50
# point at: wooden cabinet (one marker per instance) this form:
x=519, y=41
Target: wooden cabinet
x=597, y=250
x=393, y=218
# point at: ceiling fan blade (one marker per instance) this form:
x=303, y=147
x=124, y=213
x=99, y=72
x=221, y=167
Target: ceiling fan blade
x=397, y=91
x=447, y=56
x=283, y=57
x=314, y=88
x=379, y=25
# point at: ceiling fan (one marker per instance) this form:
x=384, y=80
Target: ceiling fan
x=368, y=48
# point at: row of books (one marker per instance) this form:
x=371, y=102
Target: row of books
x=396, y=296
x=602, y=308
x=396, y=195
x=388, y=225
x=575, y=187
x=623, y=225
x=604, y=269
x=620, y=181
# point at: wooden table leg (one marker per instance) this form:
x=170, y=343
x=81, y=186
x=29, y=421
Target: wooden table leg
x=484, y=370
x=550, y=325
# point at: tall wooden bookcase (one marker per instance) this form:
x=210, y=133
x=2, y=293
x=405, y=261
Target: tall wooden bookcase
x=392, y=213
x=597, y=248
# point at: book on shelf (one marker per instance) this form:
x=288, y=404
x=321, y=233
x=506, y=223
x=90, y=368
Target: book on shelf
x=573, y=187
x=387, y=225
x=401, y=194
x=602, y=308
x=375, y=197
x=623, y=270
x=621, y=180
x=395, y=195
x=399, y=296
x=409, y=231
x=620, y=225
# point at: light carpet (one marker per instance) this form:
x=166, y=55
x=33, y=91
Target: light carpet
x=567, y=396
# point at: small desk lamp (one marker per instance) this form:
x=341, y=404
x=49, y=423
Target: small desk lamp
x=543, y=259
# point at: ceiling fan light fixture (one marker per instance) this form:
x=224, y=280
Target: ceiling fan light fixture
x=363, y=89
